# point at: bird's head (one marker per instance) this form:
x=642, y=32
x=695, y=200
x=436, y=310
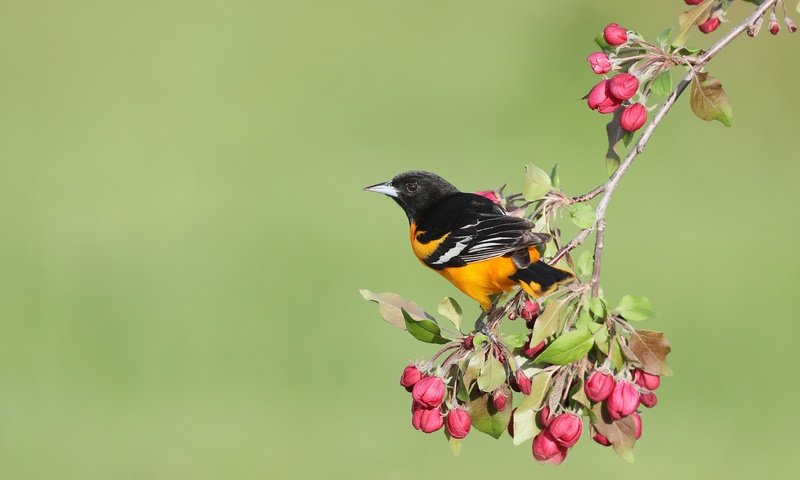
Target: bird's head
x=415, y=191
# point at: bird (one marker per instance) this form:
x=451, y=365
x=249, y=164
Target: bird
x=470, y=240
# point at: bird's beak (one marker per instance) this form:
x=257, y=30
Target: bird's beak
x=385, y=188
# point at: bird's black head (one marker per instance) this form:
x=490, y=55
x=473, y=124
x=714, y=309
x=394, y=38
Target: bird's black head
x=415, y=191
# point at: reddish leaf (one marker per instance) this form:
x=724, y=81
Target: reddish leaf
x=651, y=349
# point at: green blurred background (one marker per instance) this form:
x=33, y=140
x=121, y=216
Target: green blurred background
x=184, y=233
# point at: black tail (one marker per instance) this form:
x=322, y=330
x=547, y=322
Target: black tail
x=540, y=278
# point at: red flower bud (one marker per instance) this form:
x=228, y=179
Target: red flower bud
x=623, y=86
x=458, y=423
x=430, y=420
x=601, y=100
x=598, y=386
x=531, y=352
x=649, y=399
x=547, y=450
x=599, y=62
x=693, y=2
x=529, y=310
x=623, y=400
x=602, y=440
x=469, y=342
x=646, y=380
x=774, y=28
x=523, y=382
x=633, y=117
x=615, y=35
x=428, y=392
x=416, y=416
x=790, y=24
x=490, y=194
x=411, y=375
x=566, y=429
x=543, y=417
x=709, y=25
x=637, y=422
x=499, y=400
x=512, y=316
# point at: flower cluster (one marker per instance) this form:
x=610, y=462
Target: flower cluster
x=428, y=409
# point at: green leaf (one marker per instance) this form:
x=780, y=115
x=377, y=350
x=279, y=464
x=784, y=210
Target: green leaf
x=451, y=310
x=537, y=183
x=614, y=133
x=635, y=309
x=662, y=84
x=600, y=40
x=583, y=266
x=554, y=176
x=615, y=354
x=600, y=337
x=582, y=214
x=493, y=374
x=424, y=330
x=390, y=306
x=689, y=19
x=515, y=340
x=567, y=348
x=612, y=162
x=597, y=306
x=478, y=340
x=621, y=433
x=483, y=415
x=798, y=8
x=525, y=414
x=473, y=369
x=651, y=349
x=547, y=323
x=584, y=321
x=709, y=100
x=663, y=38
x=455, y=444
x=579, y=395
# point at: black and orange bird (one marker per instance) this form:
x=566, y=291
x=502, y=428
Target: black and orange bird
x=470, y=240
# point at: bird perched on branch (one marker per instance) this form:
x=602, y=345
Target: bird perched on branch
x=470, y=240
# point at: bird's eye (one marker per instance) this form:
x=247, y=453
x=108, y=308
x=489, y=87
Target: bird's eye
x=411, y=187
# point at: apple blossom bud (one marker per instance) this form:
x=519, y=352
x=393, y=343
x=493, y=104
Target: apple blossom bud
x=543, y=418
x=649, y=399
x=633, y=118
x=646, y=380
x=430, y=420
x=774, y=28
x=623, y=400
x=693, y=2
x=411, y=375
x=601, y=439
x=469, y=342
x=790, y=24
x=499, y=400
x=566, y=429
x=601, y=100
x=416, y=416
x=490, y=194
x=458, y=423
x=546, y=449
x=428, y=392
x=531, y=352
x=529, y=310
x=598, y=386
x=599, y=62
x=512, y=316
x=523, y=382
x=500, y=357
x=623, y=86
x=615, y=35
x=637, y=422
x=709, y=25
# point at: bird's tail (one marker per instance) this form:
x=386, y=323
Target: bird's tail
x=539, y=278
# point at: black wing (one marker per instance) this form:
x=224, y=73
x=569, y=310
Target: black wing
x=478, y=230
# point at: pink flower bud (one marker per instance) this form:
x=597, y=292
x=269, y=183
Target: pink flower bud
x=790, y=24
x=637, y=422
x=490, y=194
x=512, y=316
x=709, y=25
x=458, y=423
x=633, y=117
x=693, y=2
x=547, y=450
x=623, y=400
x=523, y=382
x=646, y=380
x=543, y=417
x=602, y=440
x=411, y=375
x=615, y=35
x=774, y=28
x=566, y=429
x=430, y=420
x=649, y=399
x=428, y=392
x=416, y=416
x=499, y=400
x=623, y=86
x=469, y=342
x=529, y=310
x=597, y=95
x=531, y=352
x=599, y=62
x=598, y=386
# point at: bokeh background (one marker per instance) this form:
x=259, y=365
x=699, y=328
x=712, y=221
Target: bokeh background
x=184, y=234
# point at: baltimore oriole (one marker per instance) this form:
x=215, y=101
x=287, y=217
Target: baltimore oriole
x=470, y=240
